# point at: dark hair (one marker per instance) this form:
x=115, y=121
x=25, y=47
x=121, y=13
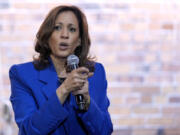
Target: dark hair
x=46, y=29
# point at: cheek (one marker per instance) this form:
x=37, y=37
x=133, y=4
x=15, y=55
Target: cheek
x=52, y=47
x=76, y=42
x=52, y=43
x=75, y=45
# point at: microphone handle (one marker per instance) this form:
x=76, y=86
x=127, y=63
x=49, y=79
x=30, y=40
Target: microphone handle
x=80, y=102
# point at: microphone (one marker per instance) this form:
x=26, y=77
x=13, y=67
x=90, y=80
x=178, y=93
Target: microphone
x=72, y=63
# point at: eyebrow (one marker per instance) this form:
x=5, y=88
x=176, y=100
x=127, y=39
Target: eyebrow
x=68, y=24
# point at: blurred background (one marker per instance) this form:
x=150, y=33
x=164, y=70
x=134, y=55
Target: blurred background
x=136, y=40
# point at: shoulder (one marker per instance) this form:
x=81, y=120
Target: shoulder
x=99, y=67
x=23, y=66
x=24, y=69
x=99, y=71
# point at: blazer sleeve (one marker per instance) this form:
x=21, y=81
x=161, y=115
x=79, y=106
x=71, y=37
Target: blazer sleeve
x=31, y=119
x=97, y=119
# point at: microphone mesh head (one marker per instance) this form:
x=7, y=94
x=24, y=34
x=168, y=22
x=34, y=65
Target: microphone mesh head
x=72, y=60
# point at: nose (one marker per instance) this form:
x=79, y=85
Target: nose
x=64, y=33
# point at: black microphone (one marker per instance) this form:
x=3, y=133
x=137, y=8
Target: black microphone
x=72, y=63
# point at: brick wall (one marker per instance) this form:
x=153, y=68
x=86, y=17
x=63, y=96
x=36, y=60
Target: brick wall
x=138, y=43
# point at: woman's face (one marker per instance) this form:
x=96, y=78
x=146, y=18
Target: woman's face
x=65, y=37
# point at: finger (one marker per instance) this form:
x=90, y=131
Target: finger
x=79, y=83
x=75, y=75
x=80, y=75
x=79, y=79
x=80, y=91
x=82, y=70
x=84, y=87
x=74, y=92
x=83, y=76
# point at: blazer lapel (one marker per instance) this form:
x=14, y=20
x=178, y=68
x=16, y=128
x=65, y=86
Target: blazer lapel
x=49, y=77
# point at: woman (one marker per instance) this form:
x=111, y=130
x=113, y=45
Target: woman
x=42, y=104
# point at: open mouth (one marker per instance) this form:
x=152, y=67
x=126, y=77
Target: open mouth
x=63, y=46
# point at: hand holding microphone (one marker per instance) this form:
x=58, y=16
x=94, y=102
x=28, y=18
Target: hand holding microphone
x=76, y=80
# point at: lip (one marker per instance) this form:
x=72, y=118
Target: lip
x=63, y=46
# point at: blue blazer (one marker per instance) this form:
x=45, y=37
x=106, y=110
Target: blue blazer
x=38, y=110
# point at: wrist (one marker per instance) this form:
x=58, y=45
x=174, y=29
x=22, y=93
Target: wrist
x=63, y=90
x=62, y=93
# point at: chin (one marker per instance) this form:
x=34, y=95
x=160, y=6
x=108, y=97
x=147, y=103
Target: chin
x=63, y=55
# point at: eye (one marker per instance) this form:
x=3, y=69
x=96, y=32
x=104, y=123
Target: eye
x=57, y=27
x=72, y=29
